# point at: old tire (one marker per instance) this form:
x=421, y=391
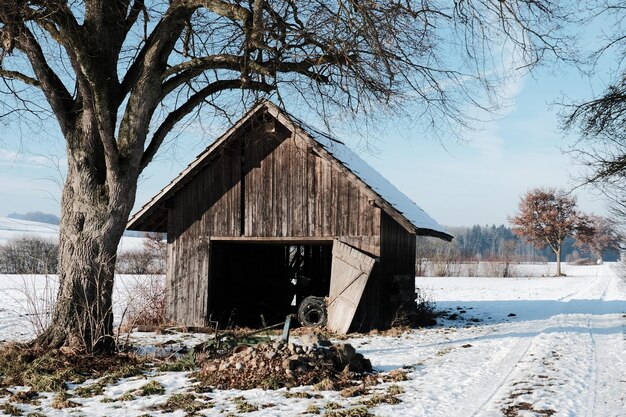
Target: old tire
x=312, y=312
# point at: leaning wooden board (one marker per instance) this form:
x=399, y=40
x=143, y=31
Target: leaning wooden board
x=349, y=273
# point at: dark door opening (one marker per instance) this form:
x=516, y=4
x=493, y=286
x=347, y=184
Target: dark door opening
x=254, y=280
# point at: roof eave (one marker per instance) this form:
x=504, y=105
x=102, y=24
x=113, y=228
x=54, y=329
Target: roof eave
x=434, y=233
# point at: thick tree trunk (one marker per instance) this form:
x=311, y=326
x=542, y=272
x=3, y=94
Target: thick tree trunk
x=558, y=262
x=95, y=207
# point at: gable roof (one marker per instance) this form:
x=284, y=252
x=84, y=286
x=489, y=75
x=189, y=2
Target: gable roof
x=391, y=200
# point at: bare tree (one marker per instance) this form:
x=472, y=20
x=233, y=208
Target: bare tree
x=546, y=217
x=601, y=120
x=150, y=259
x=119, y=75
x=29, y=255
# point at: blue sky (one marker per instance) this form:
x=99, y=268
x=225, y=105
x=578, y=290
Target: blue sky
x=479, y=181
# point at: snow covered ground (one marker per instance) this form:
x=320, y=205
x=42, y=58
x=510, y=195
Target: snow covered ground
x=15, y=229
x=517, y=347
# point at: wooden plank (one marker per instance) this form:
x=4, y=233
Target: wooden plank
x=274, y=239
x=311, y=193
x=202, y=279
x=170, y=277
x=350, y=271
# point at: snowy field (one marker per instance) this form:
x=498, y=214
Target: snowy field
x=11, y=229
x=518, y=347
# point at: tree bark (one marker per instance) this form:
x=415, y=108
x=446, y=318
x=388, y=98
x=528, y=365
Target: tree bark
x=95, y=206
x=558, y=261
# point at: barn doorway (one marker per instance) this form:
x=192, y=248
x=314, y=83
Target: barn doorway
x=260, y=282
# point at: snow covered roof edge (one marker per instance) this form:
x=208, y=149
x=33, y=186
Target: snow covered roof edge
x=414, y=214
x=373, y=179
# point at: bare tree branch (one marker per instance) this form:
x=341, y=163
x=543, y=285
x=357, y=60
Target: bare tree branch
x=57, y=95
x=16, y=75
x=175, y=116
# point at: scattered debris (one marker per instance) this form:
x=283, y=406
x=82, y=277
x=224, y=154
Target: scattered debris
x=275, y=365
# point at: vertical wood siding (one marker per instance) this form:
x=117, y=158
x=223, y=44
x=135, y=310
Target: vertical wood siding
x=273, y=183
x=397, y=264
x=208, y=204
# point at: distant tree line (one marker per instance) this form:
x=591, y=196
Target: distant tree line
x=29, y=255
x=36, y=255
x=36, y=216
x=491, y=242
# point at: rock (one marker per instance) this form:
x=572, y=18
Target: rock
x=314, y=340
x=290, y=364
x=241, y=349
x=344, y=354
x=359, y=364
x=252, y=366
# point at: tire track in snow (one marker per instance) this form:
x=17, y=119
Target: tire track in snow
x=503, y=380
x=531, y=374
x=610, y=352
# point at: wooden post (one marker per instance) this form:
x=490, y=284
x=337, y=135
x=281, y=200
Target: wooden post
x=286, y=329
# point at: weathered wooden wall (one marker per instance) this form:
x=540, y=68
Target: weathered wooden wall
x=272, y=184
x=397, y=265
x=291, y=191
x=207, y=205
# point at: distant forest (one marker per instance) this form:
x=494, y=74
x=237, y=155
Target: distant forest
x=496, y=243
x=36, y=216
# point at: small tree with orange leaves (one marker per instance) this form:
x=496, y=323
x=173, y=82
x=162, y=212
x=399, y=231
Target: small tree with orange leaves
x=546, y=217
x=602, y=234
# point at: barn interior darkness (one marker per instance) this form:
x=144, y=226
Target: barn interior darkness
x=253, y=284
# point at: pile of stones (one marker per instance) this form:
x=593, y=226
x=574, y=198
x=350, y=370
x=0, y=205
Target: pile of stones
x=277, y=364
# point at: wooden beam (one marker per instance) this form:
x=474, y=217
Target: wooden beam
x=274, y=239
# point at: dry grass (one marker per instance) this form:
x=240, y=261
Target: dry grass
x=244, y=406
x=10, y=409
x=395, y=389
x=25, y=397
x=349, y=412
x=151, y=388
x=312, y=409
x=397, y=375
x=353, y=391
x=378, y=399
x=301, y=394
x=51, y=371
x=189, y=403
x=62, y=400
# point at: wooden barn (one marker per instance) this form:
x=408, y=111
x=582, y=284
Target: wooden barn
x=273, y=212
